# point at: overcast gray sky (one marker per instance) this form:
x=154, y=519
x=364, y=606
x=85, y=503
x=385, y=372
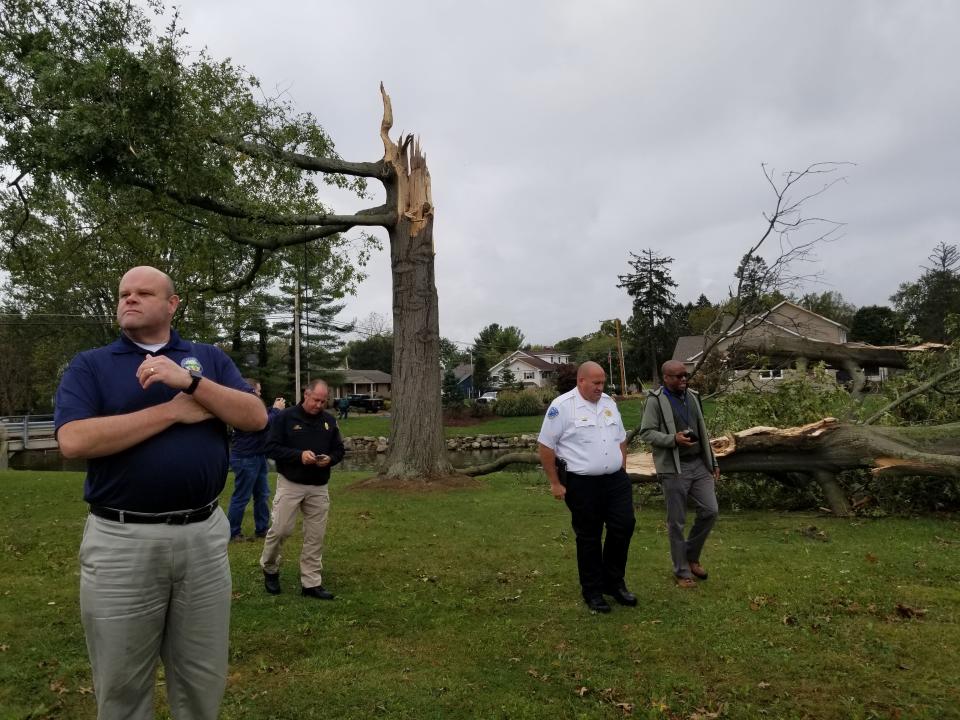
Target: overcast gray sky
x=562, y=134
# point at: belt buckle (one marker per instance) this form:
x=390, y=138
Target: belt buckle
x=181, y=519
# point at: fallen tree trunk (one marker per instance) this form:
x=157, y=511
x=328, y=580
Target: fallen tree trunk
x=825, y=448
x=818, y=451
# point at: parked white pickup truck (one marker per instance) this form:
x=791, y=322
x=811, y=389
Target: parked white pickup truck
x=487, y=397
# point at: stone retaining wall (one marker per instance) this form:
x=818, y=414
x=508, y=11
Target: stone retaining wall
x=478, y=442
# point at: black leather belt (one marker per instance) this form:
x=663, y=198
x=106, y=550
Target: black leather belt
x=184, y=517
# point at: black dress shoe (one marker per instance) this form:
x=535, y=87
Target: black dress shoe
x=623, y=596
x=597, y=604
x=271, y=582
x=318, y=592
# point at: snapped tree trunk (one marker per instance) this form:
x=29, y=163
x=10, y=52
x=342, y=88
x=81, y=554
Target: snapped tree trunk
x=825, y=448
x=417, y=448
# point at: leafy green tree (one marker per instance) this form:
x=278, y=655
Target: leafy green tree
x=508, y=381
x=372, y=353
x=566, y=379
x=831, y=305
x=571, y=346
x=452, y=394
x=754, y=279
x=481, y=373
x=650, y=285
x=206, y=176
x=451, y=355
x=702, y=316
x=497, y=342
x=925, y=303
x=876, y=325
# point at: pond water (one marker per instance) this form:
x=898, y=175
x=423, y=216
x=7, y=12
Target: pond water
x=354, y=462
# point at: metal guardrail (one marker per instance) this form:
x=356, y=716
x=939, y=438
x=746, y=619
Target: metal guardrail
x=28, y=432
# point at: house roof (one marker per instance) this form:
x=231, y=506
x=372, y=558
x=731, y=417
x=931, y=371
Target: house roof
x=753, y=320
x=365, y=376
x=463, y=371
x=688, y=347
x=527, y=359
x=762, y=317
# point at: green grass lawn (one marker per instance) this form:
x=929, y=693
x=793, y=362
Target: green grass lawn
x=464, y=604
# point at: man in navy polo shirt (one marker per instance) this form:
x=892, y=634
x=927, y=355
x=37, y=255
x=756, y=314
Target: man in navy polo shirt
x=149, y=413
x=248, y=461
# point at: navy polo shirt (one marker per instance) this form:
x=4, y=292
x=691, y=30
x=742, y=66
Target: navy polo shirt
x=251, y=444
x=181, y=468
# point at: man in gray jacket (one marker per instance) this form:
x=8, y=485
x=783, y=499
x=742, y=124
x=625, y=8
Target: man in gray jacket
x=686, y=467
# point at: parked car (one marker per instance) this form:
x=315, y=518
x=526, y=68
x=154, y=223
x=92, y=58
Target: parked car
x=369, y=403
x=487, y=397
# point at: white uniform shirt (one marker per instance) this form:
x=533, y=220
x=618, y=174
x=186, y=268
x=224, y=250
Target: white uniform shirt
x=587, y=436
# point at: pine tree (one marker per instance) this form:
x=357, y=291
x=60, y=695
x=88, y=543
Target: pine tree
x=650, y=286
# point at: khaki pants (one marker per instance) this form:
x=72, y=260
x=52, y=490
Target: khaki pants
x=156, y=591
x=314, y=502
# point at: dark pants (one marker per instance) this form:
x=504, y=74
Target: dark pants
x=595, y=501
x=695, y=481
x=250, y=479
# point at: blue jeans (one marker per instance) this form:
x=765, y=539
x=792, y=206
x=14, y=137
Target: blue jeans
x=250, y=478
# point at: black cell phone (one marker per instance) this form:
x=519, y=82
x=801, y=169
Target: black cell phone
x=691, y=435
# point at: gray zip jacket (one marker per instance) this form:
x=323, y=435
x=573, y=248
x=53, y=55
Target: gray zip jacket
x=658, y=430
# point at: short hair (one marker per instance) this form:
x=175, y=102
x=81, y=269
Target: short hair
x=252, y=382
x=315, y=383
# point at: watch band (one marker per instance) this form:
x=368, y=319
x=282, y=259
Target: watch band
x=194, y=381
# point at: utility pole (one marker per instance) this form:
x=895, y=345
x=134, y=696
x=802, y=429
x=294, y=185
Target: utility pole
x=623, y=372
x=296, y=345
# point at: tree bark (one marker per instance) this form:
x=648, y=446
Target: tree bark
x=417, y=447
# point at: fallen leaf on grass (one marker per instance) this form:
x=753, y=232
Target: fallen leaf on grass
x=789, y=620
x=704, y=714
x=581, y=691
x=85, y=690
x=759, y=601
x=58, y=687
x=763, y=684
x=814, y=533
x=911, y=613
x=625, y=707
x=871, y=558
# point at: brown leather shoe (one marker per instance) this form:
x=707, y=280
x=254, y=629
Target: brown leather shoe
x=698, y=571
x=686, y=583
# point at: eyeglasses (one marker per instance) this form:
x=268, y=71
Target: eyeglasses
x=680, y=376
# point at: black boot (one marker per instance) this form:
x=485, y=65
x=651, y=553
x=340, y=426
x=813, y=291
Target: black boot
x=271, y=582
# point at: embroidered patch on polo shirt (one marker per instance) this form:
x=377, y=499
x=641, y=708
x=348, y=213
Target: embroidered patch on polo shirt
x=191, y=363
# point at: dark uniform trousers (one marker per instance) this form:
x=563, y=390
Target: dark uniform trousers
x=595, y=501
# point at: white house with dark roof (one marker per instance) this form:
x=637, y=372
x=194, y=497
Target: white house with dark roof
x=531, y=368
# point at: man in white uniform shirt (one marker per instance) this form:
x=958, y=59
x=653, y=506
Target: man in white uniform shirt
x=583, y=429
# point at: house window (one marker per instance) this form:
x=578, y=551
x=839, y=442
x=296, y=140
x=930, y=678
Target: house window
x=528, y=375
x=776, y=374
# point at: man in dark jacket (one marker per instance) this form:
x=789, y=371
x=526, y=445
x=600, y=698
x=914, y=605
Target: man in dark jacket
x=305, y=443
x=673, y=426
